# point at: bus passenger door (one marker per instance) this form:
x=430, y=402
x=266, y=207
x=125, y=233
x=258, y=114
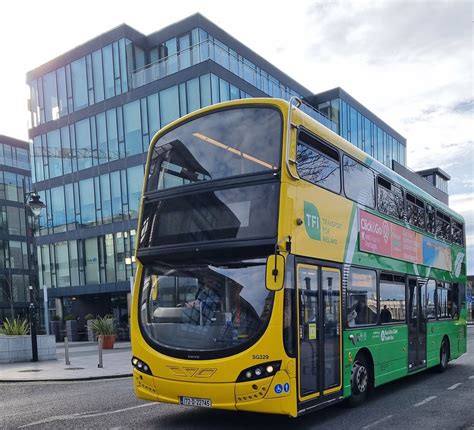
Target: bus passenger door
x=416, y=324
x=319, y=330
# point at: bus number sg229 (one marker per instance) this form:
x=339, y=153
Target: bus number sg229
x=260, y=357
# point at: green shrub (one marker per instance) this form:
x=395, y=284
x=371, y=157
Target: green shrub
x=69, y=317
x=103, y=326
x=16, y=327
x=89, y=317
x=55, y=318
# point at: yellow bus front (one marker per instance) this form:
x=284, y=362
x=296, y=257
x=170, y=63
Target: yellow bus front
x=205, y=329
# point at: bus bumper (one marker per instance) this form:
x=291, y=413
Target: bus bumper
x=275, y=395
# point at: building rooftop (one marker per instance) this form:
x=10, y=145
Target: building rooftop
x=13, y=141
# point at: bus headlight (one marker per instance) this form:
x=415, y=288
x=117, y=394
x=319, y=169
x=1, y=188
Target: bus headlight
x=141, y=366
x=260, y=371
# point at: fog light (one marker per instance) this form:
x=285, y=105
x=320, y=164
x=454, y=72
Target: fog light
x=145, y=368
x=269, y=369
x=248, y=374
x=139, y=364
x=258, y=371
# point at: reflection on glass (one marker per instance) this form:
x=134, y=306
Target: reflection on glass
x=221, y=144
x=205, y=307
x=361, y=301
x=318, y=163
x=239, y=213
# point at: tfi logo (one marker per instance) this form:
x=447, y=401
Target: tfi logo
x=312, y=221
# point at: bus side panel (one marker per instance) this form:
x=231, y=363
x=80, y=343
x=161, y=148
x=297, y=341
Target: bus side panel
x=387, y=346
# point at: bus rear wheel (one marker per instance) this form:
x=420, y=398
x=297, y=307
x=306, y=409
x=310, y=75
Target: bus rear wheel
x=443, y=356
x=360, y=382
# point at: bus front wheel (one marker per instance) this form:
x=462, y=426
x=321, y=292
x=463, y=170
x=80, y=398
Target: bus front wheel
x=443, y=356
x=360, y=381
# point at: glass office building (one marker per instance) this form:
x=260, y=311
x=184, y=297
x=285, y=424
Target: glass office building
x=93, y=112
x=14, y=269
x=355, y=123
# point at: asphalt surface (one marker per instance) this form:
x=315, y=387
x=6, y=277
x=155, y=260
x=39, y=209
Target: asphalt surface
x=424, y=401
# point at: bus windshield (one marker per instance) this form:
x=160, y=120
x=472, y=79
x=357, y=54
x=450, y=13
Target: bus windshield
x=213, y=307
x=221, y=144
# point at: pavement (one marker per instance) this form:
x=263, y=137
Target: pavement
x=84, y=360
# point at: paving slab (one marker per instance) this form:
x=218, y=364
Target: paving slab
x=84, y=359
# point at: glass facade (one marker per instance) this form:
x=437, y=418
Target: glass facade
x=111, y=197
x=14, y=279
x=98, y=76
x=92, y=118
x=364, y=133
x=197, y=46
x=123, y=131
x=94, y=260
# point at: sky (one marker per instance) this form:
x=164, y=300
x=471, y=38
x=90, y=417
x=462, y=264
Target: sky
x=410, y=62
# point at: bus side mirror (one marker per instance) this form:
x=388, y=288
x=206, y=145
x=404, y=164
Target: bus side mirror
x=275, y=274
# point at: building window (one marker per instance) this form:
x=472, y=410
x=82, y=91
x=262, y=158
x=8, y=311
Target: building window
x=79, y=84
x=169, y=105
x=86, y=189
x=132, y=126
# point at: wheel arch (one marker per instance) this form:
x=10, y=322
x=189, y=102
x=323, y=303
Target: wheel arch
x=365, y=352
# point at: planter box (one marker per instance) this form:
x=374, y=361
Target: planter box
x=17, y=349
x=55, y=329
x=91, y=337
x=71, y=331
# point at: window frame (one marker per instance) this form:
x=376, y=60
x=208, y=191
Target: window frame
x=324, y=143
x=392, y=184
x=393, y=275
x=346, y=301
x=374, y=177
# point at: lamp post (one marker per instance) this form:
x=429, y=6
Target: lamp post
x=35, y=205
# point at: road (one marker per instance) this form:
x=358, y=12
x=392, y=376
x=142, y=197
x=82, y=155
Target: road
x=425, y=401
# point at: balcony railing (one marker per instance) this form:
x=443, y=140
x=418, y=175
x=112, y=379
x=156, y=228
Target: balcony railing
x=222, y=55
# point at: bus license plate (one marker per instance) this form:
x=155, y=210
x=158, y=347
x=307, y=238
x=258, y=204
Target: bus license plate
x=193, y=401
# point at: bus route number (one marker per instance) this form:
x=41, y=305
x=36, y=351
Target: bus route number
x=260, y=357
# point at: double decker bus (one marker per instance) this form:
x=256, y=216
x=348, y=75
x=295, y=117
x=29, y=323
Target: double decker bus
x=280, y=269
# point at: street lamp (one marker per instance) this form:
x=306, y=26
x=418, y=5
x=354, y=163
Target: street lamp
x=35, y=205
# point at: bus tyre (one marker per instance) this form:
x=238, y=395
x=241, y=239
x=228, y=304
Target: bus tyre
x=443, y=356
x=360, y=382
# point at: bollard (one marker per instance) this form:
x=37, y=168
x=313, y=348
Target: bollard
x=100, y=365
x=66, y=351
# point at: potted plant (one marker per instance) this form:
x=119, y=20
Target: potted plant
x=15, y=343
x=16, y=327
x=104, y=327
